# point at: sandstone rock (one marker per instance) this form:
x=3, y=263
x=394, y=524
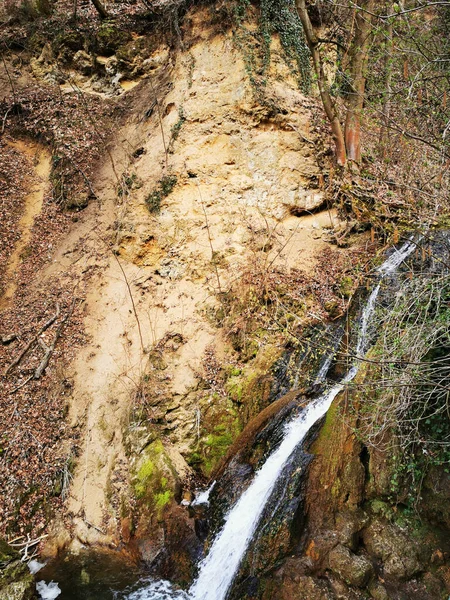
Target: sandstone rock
x=83, y=62
x=157, y=59
x=305, y=201
x=397, y=552
x=353, y=569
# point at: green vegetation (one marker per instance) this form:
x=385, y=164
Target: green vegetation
x=176, y=128
x=129, y=181
x=163, y=189
x=153, y=483
x=143, y=477
x=110, y=37
x=406, y=404
x=162, y=499
x=216, y=446
x=279, y=17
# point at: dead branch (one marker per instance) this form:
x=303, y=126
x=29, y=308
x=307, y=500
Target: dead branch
x=23, y=384
x=94, y=527
x=49, y=349
x=46, y=325
x=7, y=339
x=4, y=120
x=85, y=177
x=27, y=543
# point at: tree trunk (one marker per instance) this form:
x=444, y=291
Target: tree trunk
x=327, y=101
x=387, y=81
x=356, y=73
x=100, y=9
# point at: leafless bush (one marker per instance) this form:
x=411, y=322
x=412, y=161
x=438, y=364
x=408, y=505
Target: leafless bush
x=407, y=390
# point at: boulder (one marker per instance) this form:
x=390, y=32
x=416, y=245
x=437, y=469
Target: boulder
x=396, y=551
x=353, y=569
x=377, y=591
x=302, y=588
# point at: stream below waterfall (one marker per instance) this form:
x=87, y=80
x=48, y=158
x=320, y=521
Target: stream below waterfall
x=218, y=569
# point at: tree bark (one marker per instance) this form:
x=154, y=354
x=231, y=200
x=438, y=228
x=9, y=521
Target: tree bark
x=327, y=101
x=357, y=59
x=387, y=80
x=100, y=9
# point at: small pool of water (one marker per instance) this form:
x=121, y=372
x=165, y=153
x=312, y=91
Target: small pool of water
x=92, y=575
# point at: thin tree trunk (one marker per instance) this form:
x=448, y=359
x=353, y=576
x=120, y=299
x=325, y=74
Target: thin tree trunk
x=100, y=9
x=327, y=101
x=357, y=65
x=387, y=81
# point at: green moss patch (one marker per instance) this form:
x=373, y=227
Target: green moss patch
x=155, y=479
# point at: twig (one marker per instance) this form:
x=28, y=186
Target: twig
x=46, y=325
x=160, y=122
x=129, y=292
x=210, y=240
x=49, y=349
x=26, y=543
x=4, y=119
x=9, y=79
x=20, y=386
x=94, y=527
x=86, y=179
x=305, y=139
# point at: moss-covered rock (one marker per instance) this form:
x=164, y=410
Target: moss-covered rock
x=354, y=570
x=155, y=479
x=16, y=582
x=110, y=37
x=395, y=549
x=300, y=587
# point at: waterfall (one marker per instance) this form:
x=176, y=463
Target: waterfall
x=219, y=568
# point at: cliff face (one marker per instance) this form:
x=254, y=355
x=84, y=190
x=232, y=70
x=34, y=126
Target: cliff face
x=185, y=254
x=189, y=259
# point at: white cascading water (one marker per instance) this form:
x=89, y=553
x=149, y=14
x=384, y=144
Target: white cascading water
x=219, y=568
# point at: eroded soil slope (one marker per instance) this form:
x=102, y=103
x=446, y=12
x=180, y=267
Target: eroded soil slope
x=190, y=270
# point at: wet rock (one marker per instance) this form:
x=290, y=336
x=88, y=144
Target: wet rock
x=16, y=581
x=282, y=519
x=396, y=551
x=354, y=570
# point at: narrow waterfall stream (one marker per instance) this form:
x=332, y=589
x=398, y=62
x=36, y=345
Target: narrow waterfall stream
x=219, y=568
